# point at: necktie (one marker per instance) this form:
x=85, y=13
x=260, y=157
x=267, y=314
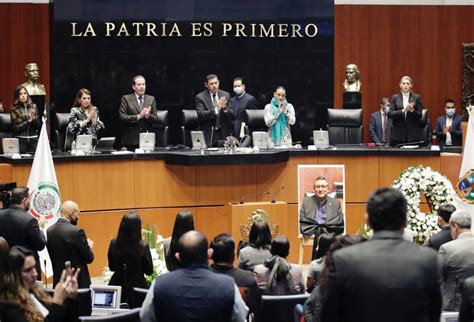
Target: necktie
x=215, y=103
x=384, y=128
x=140, y=99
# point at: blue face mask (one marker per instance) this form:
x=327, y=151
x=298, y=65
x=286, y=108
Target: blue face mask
x=450, y=112
x=386, y=109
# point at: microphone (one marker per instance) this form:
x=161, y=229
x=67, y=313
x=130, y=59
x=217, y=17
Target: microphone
x=276, y=193
x=45, y=275
x=253, y=195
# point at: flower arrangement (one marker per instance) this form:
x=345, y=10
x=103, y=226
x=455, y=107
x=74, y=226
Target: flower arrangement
x=437, y=189
x=155, y=241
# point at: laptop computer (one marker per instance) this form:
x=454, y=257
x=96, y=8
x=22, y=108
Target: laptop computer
x=198, y=140
x=106, y=144
x=260, y=140
x=321, y=139
x=10, y=146
x=84, y=143
x=147, y=141
x=106, y=299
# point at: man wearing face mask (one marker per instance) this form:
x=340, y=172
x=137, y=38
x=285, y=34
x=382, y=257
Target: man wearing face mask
x=380, y=125
x=67, y=242
x=239, y=103
x=448, y=127
x=20, y=228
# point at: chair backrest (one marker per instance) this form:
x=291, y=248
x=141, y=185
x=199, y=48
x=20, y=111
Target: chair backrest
x=345, y=126
x=6, y=128
x=84, y=302
x=189, y=122
x=161, y=129
x=138, y=297
x=129, y=316
x=255, y=122
x=63, y=139
x=426, y=124
x=281, y=307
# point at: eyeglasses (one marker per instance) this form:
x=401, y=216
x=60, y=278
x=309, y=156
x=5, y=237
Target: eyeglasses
x=320, y=187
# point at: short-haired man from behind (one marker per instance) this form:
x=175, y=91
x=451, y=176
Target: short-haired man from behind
x=20, y=228
x=444, y=235
x=223, y=255
x=385, y=278
x=67, y=242
x=193, y=292
x=456, y=259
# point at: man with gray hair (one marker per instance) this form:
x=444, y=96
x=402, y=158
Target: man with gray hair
x=456, y=259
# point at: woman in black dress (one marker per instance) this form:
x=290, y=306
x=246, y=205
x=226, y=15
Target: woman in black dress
x=25, y=120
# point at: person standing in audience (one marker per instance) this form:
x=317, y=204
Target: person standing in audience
x=386, y=278
x=67, y=242
x=193, y=292
x=380, y=125
x=20, y=228
x=84, y=117
x=183, y=223
x=456, y=259
x=466, y=310
x=448, y=127
x=137, y=112
x=257, y=251
x=129, y=257
x=241, y=102
x=214, y=114
x=223, y=254
x=276, y=276
x=405, y=112
x=279, y=115
x=443, y=236
x=25, y=120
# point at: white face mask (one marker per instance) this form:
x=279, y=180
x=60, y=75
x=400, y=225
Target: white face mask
x=238, y=90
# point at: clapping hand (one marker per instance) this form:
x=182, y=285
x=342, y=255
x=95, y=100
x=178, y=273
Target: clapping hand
x=93, y=116
x=32, y=115
x=223, y=103
x=146, y=112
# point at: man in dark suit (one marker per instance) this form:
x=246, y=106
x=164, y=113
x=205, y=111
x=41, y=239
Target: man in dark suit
x=223, y=255
x=456, y=259
x=67, y=242
x=137, y=112
x=321, y=214
x=380, y=125
x=21, y=229
x=405, y=112
x=448, y=127
x=214, y=114
x=386, y=278
x=444, y=235
x=241, y=102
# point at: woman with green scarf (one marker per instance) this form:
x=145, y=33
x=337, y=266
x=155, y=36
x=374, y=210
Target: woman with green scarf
x=279, y=115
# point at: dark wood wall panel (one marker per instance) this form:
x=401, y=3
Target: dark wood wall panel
x=24, y=38
x=387, y=42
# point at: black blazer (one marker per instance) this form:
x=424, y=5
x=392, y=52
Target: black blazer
x=207, y=115
x=21, y=229
x=67, y=242
x=375, y=128
x=383, y=279
x=407, y=129
x=239, y=106
x=466, y=311
x=456, y=131
x=128, y=270
x=440, y=238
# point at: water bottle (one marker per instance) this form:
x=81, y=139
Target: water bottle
x=73, y=147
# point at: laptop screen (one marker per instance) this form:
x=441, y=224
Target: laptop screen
x=105, y=297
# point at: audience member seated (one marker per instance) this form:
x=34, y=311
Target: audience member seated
x=456, y=259
x=448, y=127
x=279, y=115
x=193, y=292
x=84, y=117
x=22, y=299
x=443, y=236
x=380, y=125
x=223, y=247
x=466, y=310
x=183, y=223
x=257, y=251
x=316, y=266
x=129, y=257
x=276, y=276
x=313, y=305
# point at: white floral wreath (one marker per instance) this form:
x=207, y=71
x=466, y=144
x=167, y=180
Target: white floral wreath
x=437, y=189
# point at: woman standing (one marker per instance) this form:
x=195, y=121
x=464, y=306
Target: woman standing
x=84, y=117
x=129, y=257
x=25, y=120
x=279, y=115
x=183, y=223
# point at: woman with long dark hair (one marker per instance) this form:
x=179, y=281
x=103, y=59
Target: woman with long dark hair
x=129, y=257
x=257, y=251
x=183, y=223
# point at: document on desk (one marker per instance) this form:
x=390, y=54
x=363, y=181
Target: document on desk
x=410, y=147
x=121, y=152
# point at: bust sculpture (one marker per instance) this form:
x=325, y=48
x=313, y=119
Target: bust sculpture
x=32, y=85
x=352, y=82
